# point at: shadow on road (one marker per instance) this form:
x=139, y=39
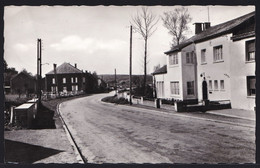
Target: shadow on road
x=20, y=152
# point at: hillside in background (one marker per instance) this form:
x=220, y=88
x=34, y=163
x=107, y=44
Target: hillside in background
x=125, y=78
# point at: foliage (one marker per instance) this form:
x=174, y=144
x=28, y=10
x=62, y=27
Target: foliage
x=144, y=23
x=26, y=72
x=177, y=23
x=139, y=91
x=94, y=84
x=114, y=99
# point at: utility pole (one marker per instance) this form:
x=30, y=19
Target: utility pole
x=130, y=68
x=208, y=13
x=56, y=79
x=115, y=82
x=39, y=69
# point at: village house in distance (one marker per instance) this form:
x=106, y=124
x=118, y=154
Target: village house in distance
x=67, y=79
x=221, y=56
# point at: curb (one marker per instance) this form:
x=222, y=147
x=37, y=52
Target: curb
x=191, y=117
x=233, y=116
x=79, y=156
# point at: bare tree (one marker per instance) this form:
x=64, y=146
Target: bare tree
x=177, y=23
x=144, y=23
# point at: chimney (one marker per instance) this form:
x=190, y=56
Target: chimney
x=75, y=65
x=198, y=28
x=54, y=68
x=206, y=25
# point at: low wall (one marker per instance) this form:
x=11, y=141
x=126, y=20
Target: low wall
x=182, y=107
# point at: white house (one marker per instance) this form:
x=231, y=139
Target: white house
x=223, y=56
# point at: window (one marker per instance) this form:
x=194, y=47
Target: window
x=63, y=80
x=160, y=89
x=218, y=54
x=175, y=88
x=76, y=80
x=250, y=50
x=54, y=89
x=71, y=79
x=222, y=86
x=83, y=79
x=74, y=87
x=53, y=80
x=210, y=84
x=64, y=89
x=173, y=59
x=251, y=91
x=203, y=56
x=190, y=88
x=215, y=84
x=189, y=57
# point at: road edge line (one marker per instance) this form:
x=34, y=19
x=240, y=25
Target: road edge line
x=80, y=158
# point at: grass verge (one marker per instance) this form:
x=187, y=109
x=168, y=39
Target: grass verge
x=114, y=99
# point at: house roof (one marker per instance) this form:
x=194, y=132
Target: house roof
x=214, y=31
x=22, y=73
x=65, y=68
x=161, y=70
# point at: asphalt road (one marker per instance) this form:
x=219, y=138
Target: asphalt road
x=108, y=133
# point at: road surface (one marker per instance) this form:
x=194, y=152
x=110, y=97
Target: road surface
x=109, y=133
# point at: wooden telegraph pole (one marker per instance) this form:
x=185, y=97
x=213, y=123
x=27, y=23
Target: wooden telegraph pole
x=115, y=82
x=130, y=68
x=39, y=68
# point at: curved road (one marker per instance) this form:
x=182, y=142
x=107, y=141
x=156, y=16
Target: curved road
x=108, y=133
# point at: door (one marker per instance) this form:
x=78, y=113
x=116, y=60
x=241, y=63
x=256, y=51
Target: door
x=204, y=90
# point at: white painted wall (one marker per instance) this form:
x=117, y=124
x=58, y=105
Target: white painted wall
x=212, y=70
x=188, y=72
x=239, y=70
x=160, y=78
x=174, y=73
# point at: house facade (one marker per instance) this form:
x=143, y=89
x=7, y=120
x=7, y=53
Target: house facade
x=181, y=74
x=223, y=59
x=22, y=83
x=67, y=79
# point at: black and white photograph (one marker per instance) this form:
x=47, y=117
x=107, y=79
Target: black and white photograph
x=129, y=84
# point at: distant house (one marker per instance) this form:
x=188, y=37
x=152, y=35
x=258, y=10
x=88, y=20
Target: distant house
x=217, y=63
x=159, y=79
x=68, y=79
x=23, y=83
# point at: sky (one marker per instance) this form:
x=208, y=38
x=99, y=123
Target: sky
x=96, y=38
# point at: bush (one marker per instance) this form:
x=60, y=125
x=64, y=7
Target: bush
x=114, y=99
x=139, y=91
x=165, y=101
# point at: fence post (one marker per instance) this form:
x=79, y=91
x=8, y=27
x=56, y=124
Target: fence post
x=12, y=115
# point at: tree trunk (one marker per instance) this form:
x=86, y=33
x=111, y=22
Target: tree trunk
x=145, y=64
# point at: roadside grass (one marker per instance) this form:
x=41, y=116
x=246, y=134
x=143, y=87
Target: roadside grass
x=114, y=99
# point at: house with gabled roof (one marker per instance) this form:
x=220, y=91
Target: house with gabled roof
x=222, y=57
x=65, y=78
x=23, y=83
